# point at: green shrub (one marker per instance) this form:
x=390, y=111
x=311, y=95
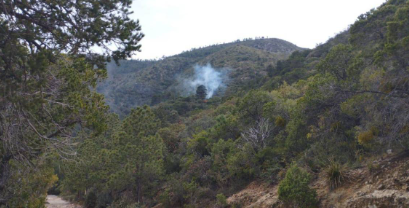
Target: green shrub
x=164, y=199
x=335, y=174
x=221, y=200
x=125, y=203
x=294, y=190
x=280, y=121
x=365, y=137
x=91, y=200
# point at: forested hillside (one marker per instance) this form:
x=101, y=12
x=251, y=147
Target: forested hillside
x=148, y=82
x=307, y=127
x=47, y=75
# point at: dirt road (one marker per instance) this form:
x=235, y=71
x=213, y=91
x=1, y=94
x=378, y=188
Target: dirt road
x=57, y=202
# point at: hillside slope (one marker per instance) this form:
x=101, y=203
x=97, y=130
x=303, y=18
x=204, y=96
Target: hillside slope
x=136, y=83
x=325, y=117
x=385, y=184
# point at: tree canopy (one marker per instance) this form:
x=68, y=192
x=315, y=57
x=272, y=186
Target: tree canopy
x=47, y=72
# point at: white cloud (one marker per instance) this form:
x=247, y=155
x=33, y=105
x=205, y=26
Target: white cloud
x=173, y=26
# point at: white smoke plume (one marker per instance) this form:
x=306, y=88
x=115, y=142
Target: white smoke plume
x=214, y=80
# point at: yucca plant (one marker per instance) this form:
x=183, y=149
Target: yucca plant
x=335, y=174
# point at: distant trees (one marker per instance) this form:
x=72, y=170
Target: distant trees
x=270, y=70
x=337, y=62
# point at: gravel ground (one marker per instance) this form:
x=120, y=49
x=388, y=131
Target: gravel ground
x=57, y=202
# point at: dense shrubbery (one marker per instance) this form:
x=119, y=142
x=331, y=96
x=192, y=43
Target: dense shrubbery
x=48, y=70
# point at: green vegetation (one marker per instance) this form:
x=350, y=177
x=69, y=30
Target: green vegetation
x=201, y=92
x=47, y=75
x=294, y=190
x=149, y=82
x=221, y=200
x=335, y=174
x=128, y=158
x=346, y=100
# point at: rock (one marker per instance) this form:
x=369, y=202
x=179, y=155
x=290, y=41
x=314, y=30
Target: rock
x=381, y=198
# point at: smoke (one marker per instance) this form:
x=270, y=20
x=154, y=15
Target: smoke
x=214, y=80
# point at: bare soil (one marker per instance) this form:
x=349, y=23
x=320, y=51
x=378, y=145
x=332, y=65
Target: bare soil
x=385, y=185
x=57, y=202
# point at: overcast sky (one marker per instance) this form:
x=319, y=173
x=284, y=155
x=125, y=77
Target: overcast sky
x=173, y=26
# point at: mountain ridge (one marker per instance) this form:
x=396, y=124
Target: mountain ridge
x=136, y=82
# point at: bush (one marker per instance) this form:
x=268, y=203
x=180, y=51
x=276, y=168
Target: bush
x=280, y=121
x=164, y=199
x=91, y=200
x=335, y=174
x=294, y=190
x=221, y=200
x=365, y=137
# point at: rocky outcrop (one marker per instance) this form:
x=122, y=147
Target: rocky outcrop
x=381, y=198
x=256, y=195
x=379, y=184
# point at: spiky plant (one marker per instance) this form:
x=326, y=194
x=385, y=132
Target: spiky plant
x=335, y=173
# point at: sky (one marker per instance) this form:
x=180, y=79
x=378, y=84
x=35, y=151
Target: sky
x=174, y=26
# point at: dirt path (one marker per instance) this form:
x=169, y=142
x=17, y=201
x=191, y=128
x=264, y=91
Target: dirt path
x=57, y=202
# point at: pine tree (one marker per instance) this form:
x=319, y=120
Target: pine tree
x=141, y=152
x=47, y=72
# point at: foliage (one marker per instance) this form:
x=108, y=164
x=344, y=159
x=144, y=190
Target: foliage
x=280, y=121
x=292, y=69
x=42, y=26
x=365, y=137
x=139, y=82
x=251, y=106
x=48, y=70
x=201, y=92
x=337, y=62
x=335, y=174
x=30, y=185
x=341, y=100
x=294, y=190
x=221, y=200
x=345, y=99
x=129, y=157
